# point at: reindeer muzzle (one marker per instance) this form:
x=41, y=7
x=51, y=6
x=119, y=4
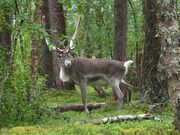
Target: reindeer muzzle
x=67, y=63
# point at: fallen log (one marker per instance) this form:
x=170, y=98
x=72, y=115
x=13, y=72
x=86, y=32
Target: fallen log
x=121, y=118
x=77, y=107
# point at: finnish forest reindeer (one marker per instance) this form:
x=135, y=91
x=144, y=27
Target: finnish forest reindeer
x=96, y=72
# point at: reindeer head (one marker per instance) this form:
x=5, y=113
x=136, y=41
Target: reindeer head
x=65, y=55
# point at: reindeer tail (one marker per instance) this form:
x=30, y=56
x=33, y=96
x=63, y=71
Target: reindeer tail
x=127, y=63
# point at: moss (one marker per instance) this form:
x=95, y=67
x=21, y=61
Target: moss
x=68, y=123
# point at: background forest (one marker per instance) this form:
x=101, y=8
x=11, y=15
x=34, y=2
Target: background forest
x=145, y=31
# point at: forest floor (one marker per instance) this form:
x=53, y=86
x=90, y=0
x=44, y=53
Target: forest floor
x=68, y=123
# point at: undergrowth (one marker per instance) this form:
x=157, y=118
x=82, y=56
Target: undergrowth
x=68, y=123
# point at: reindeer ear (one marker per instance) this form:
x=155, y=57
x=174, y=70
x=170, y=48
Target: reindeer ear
x=53, y=48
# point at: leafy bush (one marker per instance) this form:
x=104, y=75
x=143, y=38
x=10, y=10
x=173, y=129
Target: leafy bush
x=20, y=99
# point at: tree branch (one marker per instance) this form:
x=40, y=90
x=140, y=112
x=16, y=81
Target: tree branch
x=78, y=107
x=121, y=118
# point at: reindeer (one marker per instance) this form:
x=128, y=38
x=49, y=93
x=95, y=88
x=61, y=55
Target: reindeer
x=84, y=71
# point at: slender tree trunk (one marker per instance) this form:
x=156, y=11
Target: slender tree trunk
x=5, y=51
x=87, y=39
x=57, y=27
x=151, y=87
x=169, y=61
x=120, y=39
x=99, y=24
x=46, y=57
x=34, y=48
x=5, y=39
x=35, y=42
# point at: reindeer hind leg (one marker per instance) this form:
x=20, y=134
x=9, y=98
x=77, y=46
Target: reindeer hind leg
x=115, y=87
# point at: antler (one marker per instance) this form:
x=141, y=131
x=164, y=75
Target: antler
x=54, y=48
x=72, y=41
x=63, y=50
x=72, y=45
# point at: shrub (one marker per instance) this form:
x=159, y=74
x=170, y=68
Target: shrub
x=20, y=98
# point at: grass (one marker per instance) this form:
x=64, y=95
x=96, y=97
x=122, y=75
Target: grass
x=68, y=123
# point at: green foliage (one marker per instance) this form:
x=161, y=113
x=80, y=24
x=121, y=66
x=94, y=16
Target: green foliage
x=96, y=27
x=6, y=8
x=135, y=33
x=21, y=98
x=96, y=32
x=19, y=102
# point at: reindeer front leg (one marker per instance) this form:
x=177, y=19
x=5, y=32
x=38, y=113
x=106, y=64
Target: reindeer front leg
x=83, y=87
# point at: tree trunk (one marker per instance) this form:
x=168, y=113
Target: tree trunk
x=169, y=61
x=77, y=107
x=5, y=38
x=177, y=114
x=99, y=24
x=35, y=43
x=151, y=87
x=34, y=48
x=46, y=57
x=120, y=33
x=162, y=54
x=5, y=50
x=121, y=118
x=87, y=38
x=120, y=38
x=55, y=24
x=57, y=27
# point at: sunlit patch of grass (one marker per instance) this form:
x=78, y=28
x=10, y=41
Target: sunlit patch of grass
x=23, y=130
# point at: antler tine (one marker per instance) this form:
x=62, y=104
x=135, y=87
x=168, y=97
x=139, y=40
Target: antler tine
x=77, y=26
x=72, y=45
x=63, y=50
